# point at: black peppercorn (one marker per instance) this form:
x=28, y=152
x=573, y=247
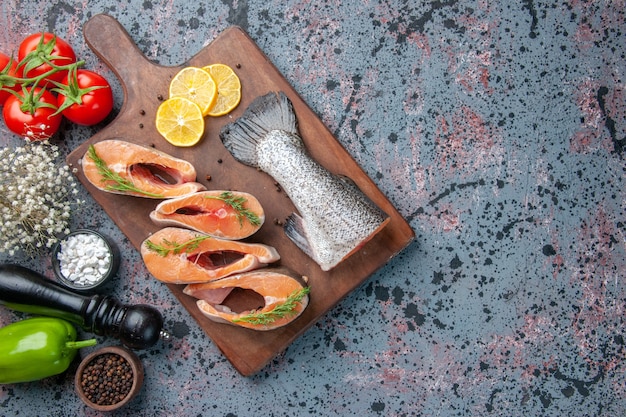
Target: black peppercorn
x=107, y=379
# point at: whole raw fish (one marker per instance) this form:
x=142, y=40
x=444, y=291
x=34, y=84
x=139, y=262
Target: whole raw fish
x=335, y=217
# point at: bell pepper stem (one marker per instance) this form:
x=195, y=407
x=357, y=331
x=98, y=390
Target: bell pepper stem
x=79, y=344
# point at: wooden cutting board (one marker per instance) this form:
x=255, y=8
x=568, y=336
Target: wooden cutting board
x=145, y=85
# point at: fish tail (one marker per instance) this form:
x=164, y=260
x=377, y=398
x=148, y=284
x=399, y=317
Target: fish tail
x=295, y=230
x=267, y=113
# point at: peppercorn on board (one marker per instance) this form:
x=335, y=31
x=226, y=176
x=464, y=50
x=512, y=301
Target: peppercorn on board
x=145, y=85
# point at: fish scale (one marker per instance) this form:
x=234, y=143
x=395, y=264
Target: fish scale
x=335, y=217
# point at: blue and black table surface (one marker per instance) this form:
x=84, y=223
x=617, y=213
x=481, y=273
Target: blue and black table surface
x=497, y=131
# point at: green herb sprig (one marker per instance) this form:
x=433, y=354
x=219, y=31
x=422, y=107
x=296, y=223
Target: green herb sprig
x=119, y=183
x=237, y=204
x=166, y=247
x=285, y=309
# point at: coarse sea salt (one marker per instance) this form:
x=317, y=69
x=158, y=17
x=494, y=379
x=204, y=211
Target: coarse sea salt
x=84, y=259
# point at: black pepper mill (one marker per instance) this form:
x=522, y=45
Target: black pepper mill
x=136, y=326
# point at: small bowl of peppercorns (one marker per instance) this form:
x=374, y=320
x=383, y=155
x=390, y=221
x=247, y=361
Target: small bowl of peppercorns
x=109, y=378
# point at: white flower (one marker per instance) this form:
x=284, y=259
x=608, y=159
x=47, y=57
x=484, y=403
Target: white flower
x=36, y=197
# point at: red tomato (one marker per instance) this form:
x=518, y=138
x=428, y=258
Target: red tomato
x=38, y=126
x=4, y=60
x=80, y=103
x=51, y=47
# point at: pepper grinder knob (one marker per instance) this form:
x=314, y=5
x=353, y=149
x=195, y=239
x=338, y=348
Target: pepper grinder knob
x=141, y=326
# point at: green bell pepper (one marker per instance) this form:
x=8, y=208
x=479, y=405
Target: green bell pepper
x=37, y=348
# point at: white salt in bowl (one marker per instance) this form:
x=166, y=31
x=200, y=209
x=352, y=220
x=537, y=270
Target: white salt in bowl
x=85, y=260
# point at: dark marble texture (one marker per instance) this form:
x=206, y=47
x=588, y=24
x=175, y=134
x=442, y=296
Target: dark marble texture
x=496, y=128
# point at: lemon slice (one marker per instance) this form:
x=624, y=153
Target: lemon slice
x=197, y=85
x=180, y=121
x=228, y=89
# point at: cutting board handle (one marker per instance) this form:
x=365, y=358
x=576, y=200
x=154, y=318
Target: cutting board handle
x=113, y=45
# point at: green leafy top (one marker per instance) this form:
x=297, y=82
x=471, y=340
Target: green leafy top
x=166, y=247
x=237, y=204
x=28, y=94
x=72, y=90
x=119, y=183
x=285, y=309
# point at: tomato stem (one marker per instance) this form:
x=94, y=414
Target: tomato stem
x=72, y=91
x=27, y=96
x=41, y=55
